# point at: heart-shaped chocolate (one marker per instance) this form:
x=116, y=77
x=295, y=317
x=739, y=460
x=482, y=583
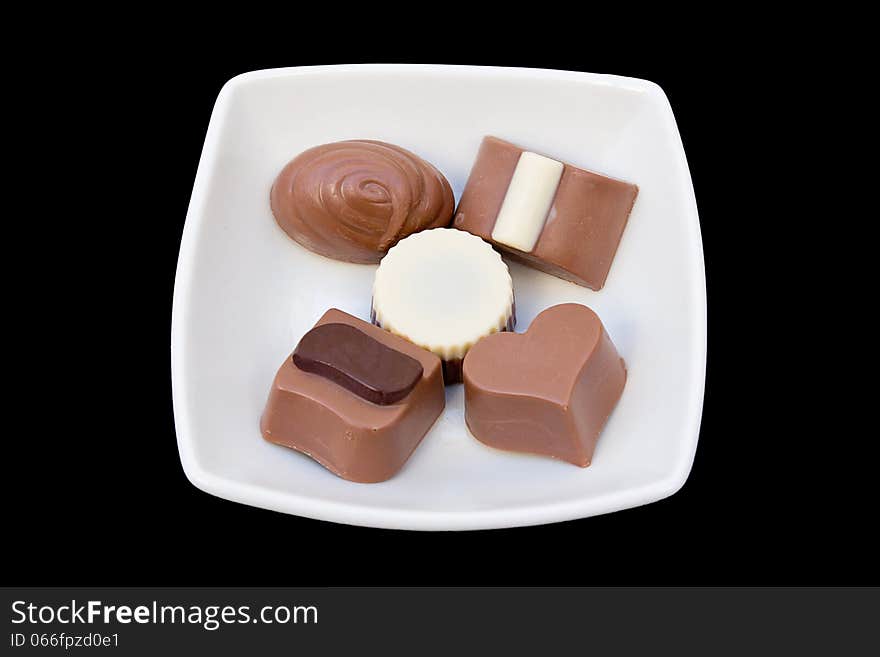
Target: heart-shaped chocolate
x=547, y=391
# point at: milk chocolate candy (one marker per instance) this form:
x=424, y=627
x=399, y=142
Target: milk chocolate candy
x=355, y=398
x=545, y=213
x=353, y=200
x=547, y=391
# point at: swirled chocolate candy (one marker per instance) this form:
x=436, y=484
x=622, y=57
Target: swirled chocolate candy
x=545, y=213
x=353, y=200
x=355, y=398
x=547, y=391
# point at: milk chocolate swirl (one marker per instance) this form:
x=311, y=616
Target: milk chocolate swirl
x=354, y=200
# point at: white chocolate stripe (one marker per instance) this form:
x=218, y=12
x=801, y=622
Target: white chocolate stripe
x=527, y=202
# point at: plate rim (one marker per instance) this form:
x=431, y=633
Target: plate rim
x=352, y=514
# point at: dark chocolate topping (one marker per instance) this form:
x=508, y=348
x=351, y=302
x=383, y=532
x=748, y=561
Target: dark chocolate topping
x=357, y=362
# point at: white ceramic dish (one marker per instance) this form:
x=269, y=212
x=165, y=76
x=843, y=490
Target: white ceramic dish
x=245, y=292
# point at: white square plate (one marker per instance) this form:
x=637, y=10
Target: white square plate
x=245, y=292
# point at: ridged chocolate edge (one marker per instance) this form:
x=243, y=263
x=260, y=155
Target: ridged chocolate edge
x=453, y=370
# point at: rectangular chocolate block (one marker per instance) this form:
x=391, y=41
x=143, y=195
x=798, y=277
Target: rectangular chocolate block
x=577, y=237
x=326, y=413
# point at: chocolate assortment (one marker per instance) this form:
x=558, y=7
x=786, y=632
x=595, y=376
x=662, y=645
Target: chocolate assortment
x=547, y=214
x=353, y=200
x=358, y=396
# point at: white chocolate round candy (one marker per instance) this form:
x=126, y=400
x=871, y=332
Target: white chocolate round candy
x=443, y=289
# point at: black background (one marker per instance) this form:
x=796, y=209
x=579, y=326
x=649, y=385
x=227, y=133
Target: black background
x=95, y=492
